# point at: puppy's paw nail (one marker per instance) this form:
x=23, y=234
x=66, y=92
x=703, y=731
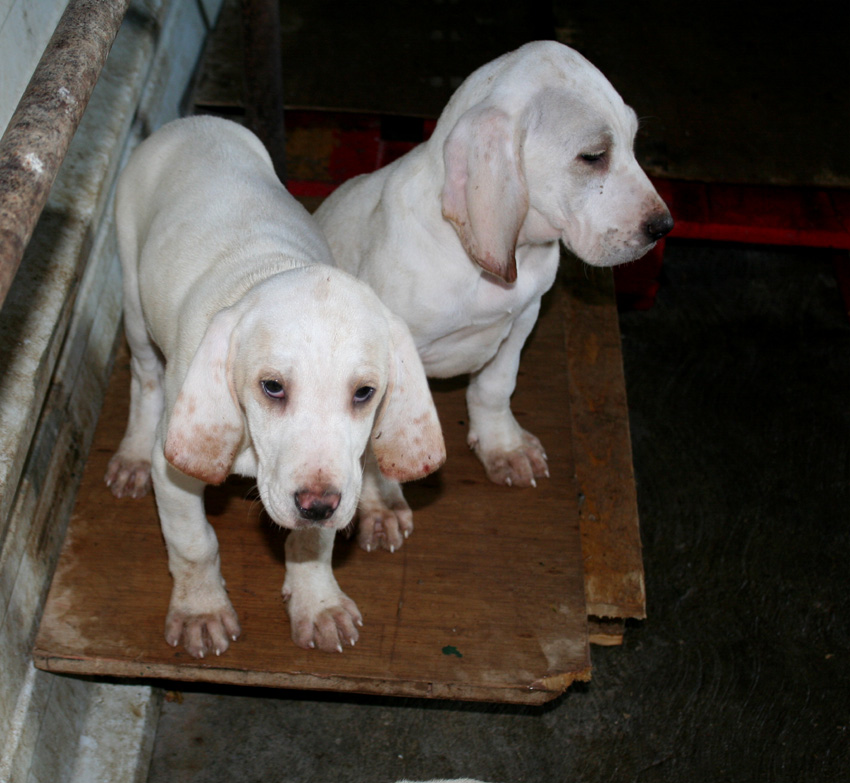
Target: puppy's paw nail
x=338, y=647
x=217, y=652
x=359, y=623
x=407, y=534
x=392, y=549
x=312, y=645
x=534, y=483
x=508, y=481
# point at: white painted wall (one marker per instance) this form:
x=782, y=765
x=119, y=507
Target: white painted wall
x=25, y=29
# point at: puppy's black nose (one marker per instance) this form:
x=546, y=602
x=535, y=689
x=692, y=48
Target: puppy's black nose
x=316, y=506
x=659, y=226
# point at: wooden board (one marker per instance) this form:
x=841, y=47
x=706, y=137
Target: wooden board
x=614, y=581
x=485, y=601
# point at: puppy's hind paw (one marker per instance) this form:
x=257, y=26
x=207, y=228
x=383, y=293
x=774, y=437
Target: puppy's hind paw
x=384, y=527
x=128, y=478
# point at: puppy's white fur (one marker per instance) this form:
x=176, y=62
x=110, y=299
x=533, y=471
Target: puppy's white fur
x=460, y=236
x=251, y=354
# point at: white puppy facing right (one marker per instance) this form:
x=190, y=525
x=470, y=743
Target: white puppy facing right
x=460, y=237
x=251, y=354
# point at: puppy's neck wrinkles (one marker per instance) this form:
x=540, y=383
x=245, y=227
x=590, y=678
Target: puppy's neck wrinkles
x=272, y=268
x=244, y=277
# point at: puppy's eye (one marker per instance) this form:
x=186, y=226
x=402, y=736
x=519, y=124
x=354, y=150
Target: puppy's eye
x=363, y=394
x=593, y=157
x=273, y=389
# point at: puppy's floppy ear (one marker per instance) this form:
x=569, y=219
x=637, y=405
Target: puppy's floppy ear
x=406, y=438
x=484, y=193
x=205, y=426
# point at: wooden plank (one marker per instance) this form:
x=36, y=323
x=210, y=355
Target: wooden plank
x=485, y=601
x=610, y=530
x=606, y=631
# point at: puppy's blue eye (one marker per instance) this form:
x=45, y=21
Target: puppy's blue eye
x=273, y=389
x=363, y=394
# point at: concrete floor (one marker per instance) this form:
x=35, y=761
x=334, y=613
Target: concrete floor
x=738, y=383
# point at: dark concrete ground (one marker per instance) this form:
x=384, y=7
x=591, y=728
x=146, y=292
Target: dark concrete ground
x=738, y=383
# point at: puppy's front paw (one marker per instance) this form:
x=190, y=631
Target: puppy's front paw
x=128, y=477
x=202, y=633
x=328, y=622
x=517, y=467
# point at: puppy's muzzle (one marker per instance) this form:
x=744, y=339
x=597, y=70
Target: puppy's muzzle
x=316, y=506
x=658, y=226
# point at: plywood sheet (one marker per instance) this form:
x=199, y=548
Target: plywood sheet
x=485, y=601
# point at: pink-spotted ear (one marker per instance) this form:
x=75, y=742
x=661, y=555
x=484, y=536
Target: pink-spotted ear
x=484, y=192
x=205, y=427
x=407, y=439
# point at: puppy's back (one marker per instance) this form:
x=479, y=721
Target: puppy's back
x=185, y=168
x=201, y=216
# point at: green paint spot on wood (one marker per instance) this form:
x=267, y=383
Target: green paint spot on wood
x=449, y=650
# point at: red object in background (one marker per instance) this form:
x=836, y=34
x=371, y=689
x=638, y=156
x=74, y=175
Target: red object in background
x=756, y=214
x=363, y=144
x=636, y=283
x=763, y=214
x=753, y=214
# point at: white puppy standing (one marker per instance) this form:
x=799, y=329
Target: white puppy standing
x=251, y=354
x=460, y=237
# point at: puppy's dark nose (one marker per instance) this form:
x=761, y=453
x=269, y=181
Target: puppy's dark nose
x=659, y=226
x=316, y=506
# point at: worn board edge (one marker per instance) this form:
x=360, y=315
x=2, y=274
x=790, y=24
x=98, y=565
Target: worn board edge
x=539, y=692
x=605, y=632
x=608, y=511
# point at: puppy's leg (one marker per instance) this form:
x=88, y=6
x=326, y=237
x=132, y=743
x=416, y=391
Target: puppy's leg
x=200, y=614
x=321, y=615
x=385, y=518
x=510, y=455
x=129, y=470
